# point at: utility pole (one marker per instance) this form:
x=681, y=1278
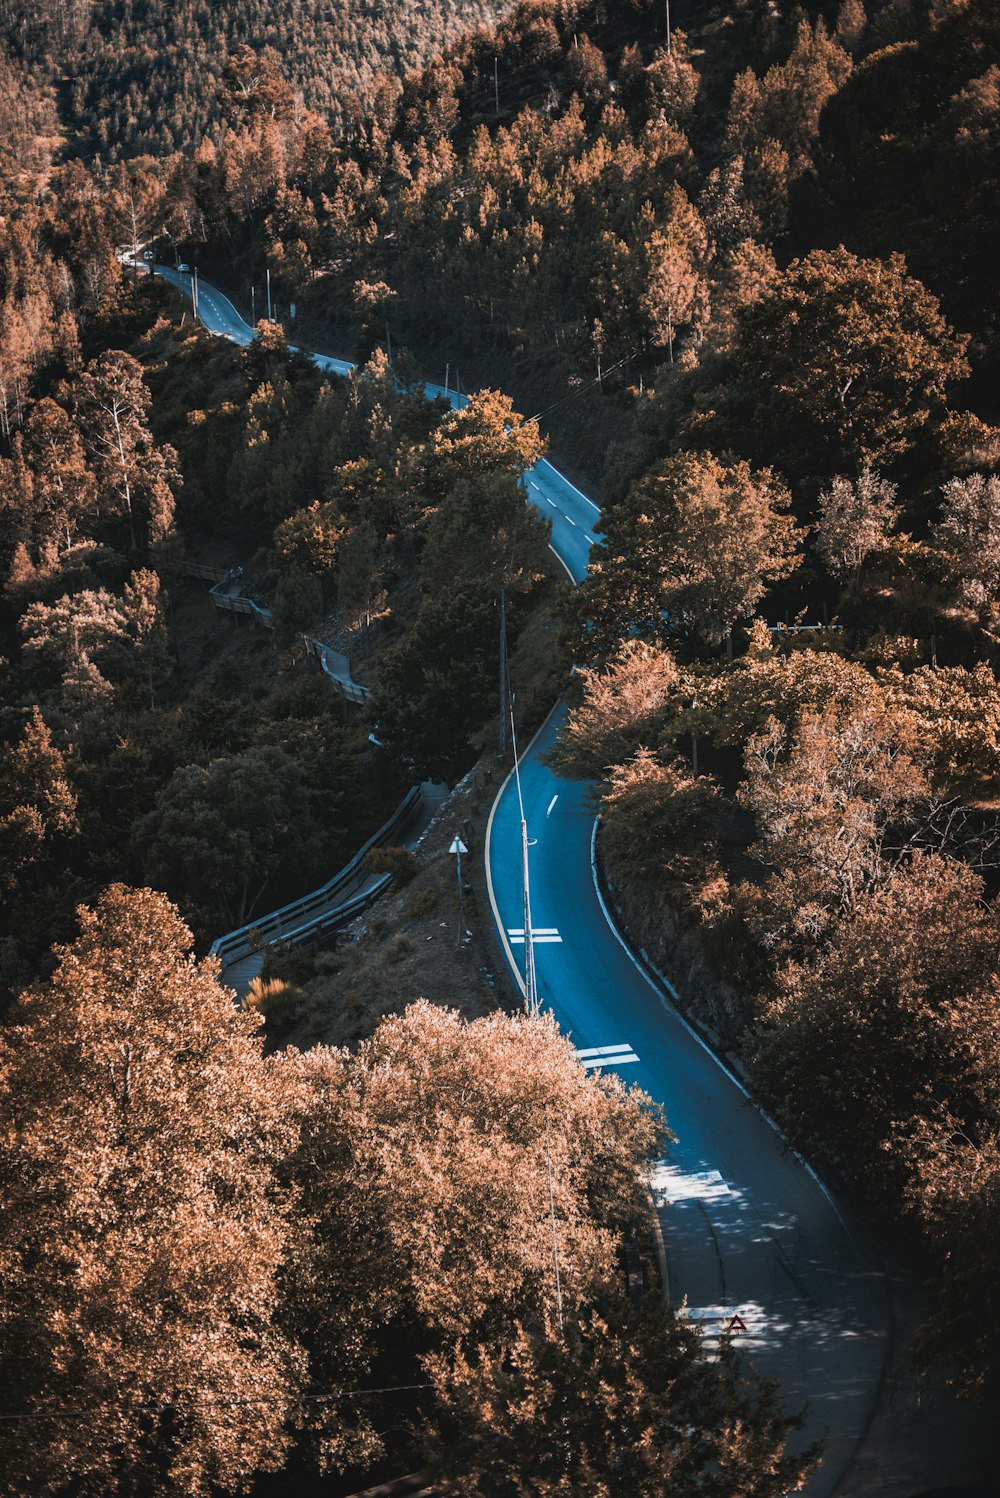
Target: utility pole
x=269, y=293
x=668, y=28
x=530, y=981
x=194, y=292
x=504, y=674
x=388, y=343
x=694, y=741
x=496, y=82
x=253, y=306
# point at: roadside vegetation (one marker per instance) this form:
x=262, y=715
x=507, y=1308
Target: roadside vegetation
x=745, y=278
x=216, y=1267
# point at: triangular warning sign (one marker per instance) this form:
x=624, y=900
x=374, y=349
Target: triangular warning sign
x=737, y=1324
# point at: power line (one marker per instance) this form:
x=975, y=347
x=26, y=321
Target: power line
x=70, y=1413
x=572, y=394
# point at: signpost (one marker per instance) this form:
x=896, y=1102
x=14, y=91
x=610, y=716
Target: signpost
x=458, y=848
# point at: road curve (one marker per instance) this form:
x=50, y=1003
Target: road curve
x=750, y=1231
x=573, y=515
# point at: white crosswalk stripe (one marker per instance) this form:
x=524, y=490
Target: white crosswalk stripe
x=746, y=1325
x=539, y=934
x=605, y=1055
x=669, y=1183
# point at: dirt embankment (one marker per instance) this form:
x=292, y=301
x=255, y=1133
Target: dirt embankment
x=420, y=940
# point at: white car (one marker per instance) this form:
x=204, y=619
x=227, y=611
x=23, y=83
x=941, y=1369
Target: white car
x=185, y=270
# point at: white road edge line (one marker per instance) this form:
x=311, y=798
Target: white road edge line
x=675, y=1009
x=586, y=500
x=569, y=574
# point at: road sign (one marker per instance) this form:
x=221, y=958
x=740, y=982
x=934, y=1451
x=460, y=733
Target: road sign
x=736, y=1325
x=459, y=848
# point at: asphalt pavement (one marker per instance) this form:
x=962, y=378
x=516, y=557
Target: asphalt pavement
x=754, y=1240
x=750, y=1232
x=573, y=515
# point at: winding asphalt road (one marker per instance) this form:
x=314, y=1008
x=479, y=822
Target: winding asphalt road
x=573, y=515
x=750, y=1231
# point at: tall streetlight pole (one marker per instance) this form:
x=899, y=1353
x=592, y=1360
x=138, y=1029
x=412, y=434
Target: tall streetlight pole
x=668, y=28
x=530, y=981
x=504, y=674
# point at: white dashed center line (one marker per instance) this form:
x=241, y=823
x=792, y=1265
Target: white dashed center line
x=570, y=519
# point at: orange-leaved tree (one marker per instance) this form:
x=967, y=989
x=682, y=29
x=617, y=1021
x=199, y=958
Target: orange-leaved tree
x=142, y=1223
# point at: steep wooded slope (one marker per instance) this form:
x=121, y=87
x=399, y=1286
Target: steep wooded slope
x=143, y=76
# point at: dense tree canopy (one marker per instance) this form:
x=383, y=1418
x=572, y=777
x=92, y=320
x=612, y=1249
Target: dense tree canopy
x=209, y=1250
x=435, y=688
x=142, y=1232
x=247, y=816
x=848, y=356
x=689, y=552
x=641, y=242
x=151, y=83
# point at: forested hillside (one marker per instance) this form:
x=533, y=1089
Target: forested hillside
x=144, y=79
x=759, y=255
x=743, y=274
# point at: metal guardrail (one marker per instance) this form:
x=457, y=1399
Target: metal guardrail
x=204, y=571
x=318, y=913
x=238, y=603
x=352, y=690
x=800, y=629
